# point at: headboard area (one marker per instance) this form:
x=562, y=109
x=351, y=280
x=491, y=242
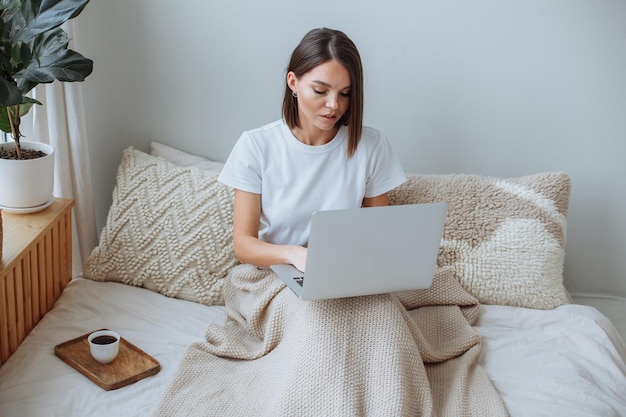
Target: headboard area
x=485, y=88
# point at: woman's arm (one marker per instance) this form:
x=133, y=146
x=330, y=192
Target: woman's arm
x=381, y=200
x=249, y=248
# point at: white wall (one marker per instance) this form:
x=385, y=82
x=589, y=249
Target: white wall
x=501, y=88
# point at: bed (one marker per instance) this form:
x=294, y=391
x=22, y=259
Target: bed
x=504, y=240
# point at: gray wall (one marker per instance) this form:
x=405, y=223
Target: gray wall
x=492, y=87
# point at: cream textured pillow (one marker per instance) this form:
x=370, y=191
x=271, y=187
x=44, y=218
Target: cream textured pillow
x=505, y=238
x=169, y=229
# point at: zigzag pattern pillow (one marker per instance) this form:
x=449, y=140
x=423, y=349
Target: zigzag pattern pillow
x=504, y=238
x=169, y=229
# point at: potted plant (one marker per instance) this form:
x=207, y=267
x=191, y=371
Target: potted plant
x=33, y=50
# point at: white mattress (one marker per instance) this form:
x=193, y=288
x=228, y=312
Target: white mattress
x=564, y=362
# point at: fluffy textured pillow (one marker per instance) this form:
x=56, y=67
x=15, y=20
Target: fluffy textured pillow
x=505, y=238
x=169, y=229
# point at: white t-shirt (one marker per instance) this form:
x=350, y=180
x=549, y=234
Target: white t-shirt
x=295, y=179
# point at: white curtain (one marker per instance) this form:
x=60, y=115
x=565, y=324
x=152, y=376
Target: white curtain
x=60, y=122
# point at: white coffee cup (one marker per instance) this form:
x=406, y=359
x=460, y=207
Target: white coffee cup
x=104, y=345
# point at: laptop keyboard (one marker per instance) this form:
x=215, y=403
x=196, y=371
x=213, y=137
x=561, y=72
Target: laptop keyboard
x=299, y=280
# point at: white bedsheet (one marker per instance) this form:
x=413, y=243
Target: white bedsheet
x=564, y=362
x=34, y=382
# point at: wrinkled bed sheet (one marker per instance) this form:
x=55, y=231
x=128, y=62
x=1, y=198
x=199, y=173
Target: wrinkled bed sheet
x=563, y=362
x=568, y=361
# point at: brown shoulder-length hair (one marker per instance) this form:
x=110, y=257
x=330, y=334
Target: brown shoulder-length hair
x=320, y=46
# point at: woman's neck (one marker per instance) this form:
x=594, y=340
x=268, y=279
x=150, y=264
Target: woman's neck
x=314, y=138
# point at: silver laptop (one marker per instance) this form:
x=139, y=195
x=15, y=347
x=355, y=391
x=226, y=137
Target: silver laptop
x=370, y=250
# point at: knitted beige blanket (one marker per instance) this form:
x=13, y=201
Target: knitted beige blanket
x=403, y=354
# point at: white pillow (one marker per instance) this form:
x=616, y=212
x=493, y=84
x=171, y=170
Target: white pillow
x=182, y=158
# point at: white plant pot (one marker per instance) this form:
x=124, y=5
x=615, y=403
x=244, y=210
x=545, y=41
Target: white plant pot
x=27, y=184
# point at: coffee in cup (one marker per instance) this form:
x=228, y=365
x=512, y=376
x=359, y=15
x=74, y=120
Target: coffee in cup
x=104, y=345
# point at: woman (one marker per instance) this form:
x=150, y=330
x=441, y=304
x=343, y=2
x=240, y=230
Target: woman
x=277, y=355
x=318, y=157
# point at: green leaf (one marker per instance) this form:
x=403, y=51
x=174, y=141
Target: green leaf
x=33, y=49
x=49, y=14
x=15, y=14
x=65, y=65
x=5, y=125
x=26, y=105
x=49, y=43
x=9, y=93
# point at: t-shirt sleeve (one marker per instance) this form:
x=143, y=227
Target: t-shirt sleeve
x=385, y=171
x=242, y=169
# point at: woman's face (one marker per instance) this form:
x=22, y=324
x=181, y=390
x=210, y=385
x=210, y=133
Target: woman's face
x=323, y=96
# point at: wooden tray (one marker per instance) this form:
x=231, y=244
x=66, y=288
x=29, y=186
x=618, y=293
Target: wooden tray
x=130, y=365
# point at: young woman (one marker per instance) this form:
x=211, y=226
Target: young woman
x=277, y=355
x=318, y=157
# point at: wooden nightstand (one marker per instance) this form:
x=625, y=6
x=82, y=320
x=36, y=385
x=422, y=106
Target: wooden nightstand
x=36, y=266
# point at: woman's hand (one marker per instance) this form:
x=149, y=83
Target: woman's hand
x=251, y=250
x=297, y=257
